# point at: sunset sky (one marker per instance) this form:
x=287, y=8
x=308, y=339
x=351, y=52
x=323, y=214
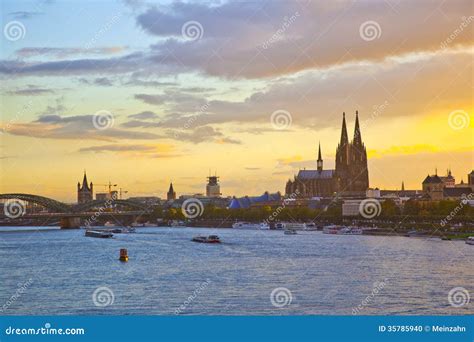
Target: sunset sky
x=142, y=93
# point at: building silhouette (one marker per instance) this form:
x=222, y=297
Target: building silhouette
x=171, y=195
x=349, y=178
x=85, y=193
x=213, y=188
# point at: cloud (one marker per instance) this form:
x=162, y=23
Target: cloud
x=201, y=134
x=153, y=151
x=144, y=115
x=62, y=52
x=270, y=39
x=100, y=81
x=30, y=90
x=23, y=15
x=81, y=127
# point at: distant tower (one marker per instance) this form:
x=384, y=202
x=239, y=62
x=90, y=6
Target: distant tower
x=85, y=193
x=213, y=188
x=403, y=186
x=320, y=159
x=171, y=195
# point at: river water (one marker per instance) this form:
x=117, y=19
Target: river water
x=60, y=272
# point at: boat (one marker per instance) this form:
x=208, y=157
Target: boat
x=311, y=226
x=207, y=239
x=109, y=224
x=332, y=229
x=136, y=224
x=176, y=224
x=350, y=231
x=124, y=230
x=279, y=225
x=149, y=224
x=249, y=225
x=295, y=225
x=470, y=240
x=290, y=232
x=98, y=234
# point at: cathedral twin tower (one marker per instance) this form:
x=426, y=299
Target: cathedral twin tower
x=350, y=178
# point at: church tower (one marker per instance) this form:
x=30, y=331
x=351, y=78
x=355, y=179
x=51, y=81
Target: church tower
x=342, y=158
x=320, y=159
x=358, y=161
x=85, y=193
x=171, y=195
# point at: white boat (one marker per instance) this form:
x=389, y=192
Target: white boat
x=98, y=234
x=295, y=225
x=470, y=240
x=332, y=229
x=290, y=232
x=350, y=231
x=279, y=225
x=109, y=224
x=311, y=226
x=176, y=223
x=249, y=225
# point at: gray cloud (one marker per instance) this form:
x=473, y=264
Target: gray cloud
x=60, y=52
x=30, y=90
x=144, y=115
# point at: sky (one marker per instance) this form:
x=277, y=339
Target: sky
x=141, y=93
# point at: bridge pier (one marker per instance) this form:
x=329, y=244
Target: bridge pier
x=70, y=223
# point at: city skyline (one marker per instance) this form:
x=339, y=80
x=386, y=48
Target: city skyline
x=178, y=92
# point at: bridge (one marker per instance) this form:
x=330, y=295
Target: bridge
x=69, y=214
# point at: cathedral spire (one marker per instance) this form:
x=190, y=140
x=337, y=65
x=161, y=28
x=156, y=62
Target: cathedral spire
x=320, y=159
x=344, y=138
x=84, y=181
x=357, y=137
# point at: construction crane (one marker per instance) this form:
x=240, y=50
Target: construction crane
x=110, y=185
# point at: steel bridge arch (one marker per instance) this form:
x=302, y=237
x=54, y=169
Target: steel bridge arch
x=102, y=203
x=41, y=200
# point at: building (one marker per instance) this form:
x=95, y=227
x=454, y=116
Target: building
x=350, y=177
x=171, y=195
x=438, y=188
x=85, y=193
x=247, y=201
x=470, y=179
x=213, y=188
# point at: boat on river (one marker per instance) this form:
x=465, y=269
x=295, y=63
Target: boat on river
x=290, y=232
x=470, y=240
x=98, y=234
x=207, y=239
x=249, y=225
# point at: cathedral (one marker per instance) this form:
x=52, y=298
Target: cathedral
x=350, y=177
